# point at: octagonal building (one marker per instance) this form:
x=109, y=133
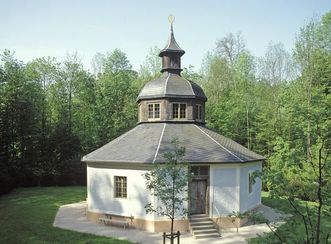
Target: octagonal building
x=171, y=107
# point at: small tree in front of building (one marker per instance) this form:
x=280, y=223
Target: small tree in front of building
x=169, y=183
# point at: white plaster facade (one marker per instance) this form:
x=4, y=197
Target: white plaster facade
x=100, y=191
x=228, y=190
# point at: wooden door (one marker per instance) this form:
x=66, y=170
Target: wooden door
x=198, y=196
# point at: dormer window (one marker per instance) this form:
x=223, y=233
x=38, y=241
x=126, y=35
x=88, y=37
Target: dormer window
x=153, y=111
x=179, y=110
x=198, y=112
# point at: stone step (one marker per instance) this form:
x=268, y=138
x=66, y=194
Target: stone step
x=209, y=231
x=199, y=220
x=205, y=236
x=201, y=223
x=203, y=227
x=197, y=216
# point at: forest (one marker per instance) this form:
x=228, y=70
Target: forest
x=278, y=105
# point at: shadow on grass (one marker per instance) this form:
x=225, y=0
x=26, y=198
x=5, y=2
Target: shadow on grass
x=27, y=216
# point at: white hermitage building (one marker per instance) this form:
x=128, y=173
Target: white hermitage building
x=171, y=107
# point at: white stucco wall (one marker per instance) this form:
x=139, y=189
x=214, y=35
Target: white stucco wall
x=224, y=189
x=101, y=192
x=249, y=200
x=228, y=191
x=229, y=188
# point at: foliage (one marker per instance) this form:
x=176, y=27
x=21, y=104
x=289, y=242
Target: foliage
x=236, y=217
x=252, y=215
x=278, y=105
x=293, y=231
x=256, y=217
x=152, y=65
x=27, y=216
x=52, y=113
x=168, y=182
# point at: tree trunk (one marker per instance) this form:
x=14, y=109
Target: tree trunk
x=319, y=196
x=172, y=231
x=70, y=105
x=248, y=129
x=173, y=210
x=309, y=85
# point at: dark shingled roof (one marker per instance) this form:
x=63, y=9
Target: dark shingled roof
x=147, y=143
x=171, y=85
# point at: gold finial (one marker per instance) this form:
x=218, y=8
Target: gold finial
x=171, y=19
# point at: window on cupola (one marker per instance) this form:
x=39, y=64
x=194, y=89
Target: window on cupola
x=153, y=111
x=179, y=111
x=198, y=112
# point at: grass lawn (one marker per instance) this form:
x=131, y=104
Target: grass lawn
x=27, y=215
x=295, y=233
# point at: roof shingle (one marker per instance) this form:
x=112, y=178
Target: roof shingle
x=171, y=85
x=147, y=143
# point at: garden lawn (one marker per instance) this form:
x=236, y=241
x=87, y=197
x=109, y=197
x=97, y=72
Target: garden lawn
x=295, y=233
x=27, y=215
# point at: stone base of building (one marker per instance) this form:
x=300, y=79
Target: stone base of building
x=142, y=224
x=229, y=222
x=164, y=225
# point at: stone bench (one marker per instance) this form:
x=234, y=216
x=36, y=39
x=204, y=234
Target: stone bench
x=116, y=222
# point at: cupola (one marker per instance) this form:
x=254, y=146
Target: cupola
x=171, y=54
x=171, y=98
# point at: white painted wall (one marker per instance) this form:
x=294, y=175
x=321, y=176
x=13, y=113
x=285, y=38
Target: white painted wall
x=228, y=191
x=101, y=192
x=224, y=189
x=229, y=188
x=249, y=200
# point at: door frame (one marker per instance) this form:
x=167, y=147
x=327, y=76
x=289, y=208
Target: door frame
x=205, y=178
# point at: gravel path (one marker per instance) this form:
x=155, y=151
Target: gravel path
x=73, y=217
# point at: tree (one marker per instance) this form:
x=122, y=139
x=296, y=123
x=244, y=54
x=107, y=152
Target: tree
x=115, y=108
x=305, y=48
x=20, y=119
x=43, y=71
x=152, y=64
x=231, y=46
x=277, y=65
x=169, y=183
x=300, y=163
x=293, y=181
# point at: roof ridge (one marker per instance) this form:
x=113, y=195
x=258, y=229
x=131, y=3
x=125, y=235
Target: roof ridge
x=219, y=144
x=159, y=144
x=236, y=143
x=109, y=143
x=189, y=85
x=166, y=84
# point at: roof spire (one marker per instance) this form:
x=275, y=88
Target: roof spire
x=171, y=19
x=172, y=53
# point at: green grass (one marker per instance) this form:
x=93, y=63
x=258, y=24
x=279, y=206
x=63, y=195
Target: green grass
x=27, y=215
x=293, y=231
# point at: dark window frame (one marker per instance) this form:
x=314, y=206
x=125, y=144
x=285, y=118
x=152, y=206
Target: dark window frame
x=120, y=187
x=179, y=110
x=154, y=111
x=198, y=112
